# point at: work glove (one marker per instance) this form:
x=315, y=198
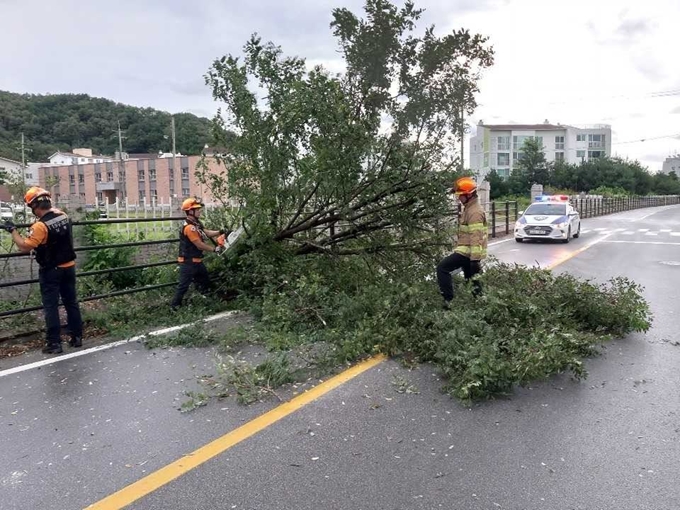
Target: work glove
x=9, y=226
x=225, y=232
x=219, y=249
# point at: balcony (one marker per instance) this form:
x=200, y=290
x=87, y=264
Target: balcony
x=109, y=186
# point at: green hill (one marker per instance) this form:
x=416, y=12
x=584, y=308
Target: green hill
x=67, y=121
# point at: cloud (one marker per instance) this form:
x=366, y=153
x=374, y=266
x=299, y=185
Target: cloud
x=633, y=28
x=675, y=110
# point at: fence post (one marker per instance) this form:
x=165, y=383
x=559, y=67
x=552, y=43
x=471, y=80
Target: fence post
x=516, y=210
x=507, y=217
x=493, y=219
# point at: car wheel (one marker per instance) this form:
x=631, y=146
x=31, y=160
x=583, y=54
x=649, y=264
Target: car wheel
x=519, y=240
x=578, y=232
x=565, y=241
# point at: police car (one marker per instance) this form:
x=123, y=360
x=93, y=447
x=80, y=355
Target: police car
x=548, y=217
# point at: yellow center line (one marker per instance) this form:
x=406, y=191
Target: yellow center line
x=573, y=254
x=165, y=475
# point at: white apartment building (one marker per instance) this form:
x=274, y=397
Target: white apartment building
x=498, y=147
x=77, y=157
x=672, y=164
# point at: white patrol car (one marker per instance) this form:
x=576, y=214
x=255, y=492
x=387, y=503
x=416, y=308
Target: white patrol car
x=548, y=217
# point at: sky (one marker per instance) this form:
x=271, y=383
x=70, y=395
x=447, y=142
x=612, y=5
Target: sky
x=575, y=62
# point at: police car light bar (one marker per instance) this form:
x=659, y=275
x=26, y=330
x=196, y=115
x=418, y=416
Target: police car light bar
x=551, y=198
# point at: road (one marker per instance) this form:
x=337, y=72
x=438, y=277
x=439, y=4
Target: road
x=79, y=430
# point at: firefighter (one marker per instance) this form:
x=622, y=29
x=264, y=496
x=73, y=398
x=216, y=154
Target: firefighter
x=193, y=241
x=51, y=239
x=472, y=241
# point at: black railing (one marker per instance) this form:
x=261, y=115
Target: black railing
x=589, y=207
x=98, y=272
x=502, y=218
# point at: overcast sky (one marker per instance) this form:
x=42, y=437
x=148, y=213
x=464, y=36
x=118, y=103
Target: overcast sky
x=572, y=62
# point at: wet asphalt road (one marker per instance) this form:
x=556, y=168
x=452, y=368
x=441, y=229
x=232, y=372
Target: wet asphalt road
x=78, y=430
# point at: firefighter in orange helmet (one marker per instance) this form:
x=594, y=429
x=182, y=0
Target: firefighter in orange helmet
x=51, y=239
x=193, y=241
x=472, y=241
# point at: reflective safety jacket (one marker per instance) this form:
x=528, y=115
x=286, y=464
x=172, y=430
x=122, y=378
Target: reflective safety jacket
x=472, y=231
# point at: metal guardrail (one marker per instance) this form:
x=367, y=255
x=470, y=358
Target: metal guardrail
x=590, y=207
x=17, y=283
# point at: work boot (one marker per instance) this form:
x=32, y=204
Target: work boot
x=76, y=341
x=52, y=349
x=446, y=305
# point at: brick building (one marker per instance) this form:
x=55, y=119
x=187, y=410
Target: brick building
x=142, y=178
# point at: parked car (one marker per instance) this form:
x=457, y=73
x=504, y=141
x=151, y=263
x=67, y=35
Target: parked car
x=6, y=213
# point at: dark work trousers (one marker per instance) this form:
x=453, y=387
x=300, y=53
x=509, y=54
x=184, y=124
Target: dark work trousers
x=452, y=263
x=191, y=272
x=55, y=282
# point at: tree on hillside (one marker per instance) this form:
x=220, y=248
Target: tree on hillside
x=356, y=163
x=67, y=121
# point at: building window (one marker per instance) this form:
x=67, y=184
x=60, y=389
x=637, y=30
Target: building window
x=71, y=179
x=185, y=173
x=503, y=158
x=581, y=154
x=81, y=179
x=503, y=172
x=559, y=156
x=142, y=195
x=98, y=177
x=109, y=176
x=595, y=141
x=171, y=173
x=100, y=197
x=595, y=154
x=140, y=174
x=559, y=143
x=517, y=156
x=152, y=174
x=82, y=196
x=580, y=138
x=154, y=193
x=29, y=176
x=185, y=192
x=503, y=143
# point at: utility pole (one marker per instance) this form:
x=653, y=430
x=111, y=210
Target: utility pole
x=121, y=169
x=175, y=171
x=23, y=162
x=462, y=137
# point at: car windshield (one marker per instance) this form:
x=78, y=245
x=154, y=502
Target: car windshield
x=546, y=210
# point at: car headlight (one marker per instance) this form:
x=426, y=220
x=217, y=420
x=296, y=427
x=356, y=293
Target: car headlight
x=562, y=225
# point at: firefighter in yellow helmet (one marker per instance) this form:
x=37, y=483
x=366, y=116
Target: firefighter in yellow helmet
x=51, y=239
x=472, y=241
x=193, y=241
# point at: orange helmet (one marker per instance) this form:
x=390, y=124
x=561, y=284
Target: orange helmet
x=192, y=203
x=464, y=186
x=35, y=193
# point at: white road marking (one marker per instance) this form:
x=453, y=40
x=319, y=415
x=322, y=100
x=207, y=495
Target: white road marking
x=651, y=233
x=643, y=242
x=584, y=231
x=598, y=229
x=676, y=234
x=138, y=338
x=665, y=230
x=643, y=230
x=605, y=232
x=619, y=229
x=628, y=233
x=500, y=242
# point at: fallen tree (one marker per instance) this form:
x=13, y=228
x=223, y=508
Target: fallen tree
x=341, y=183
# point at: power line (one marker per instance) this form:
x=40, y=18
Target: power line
x=677, y=135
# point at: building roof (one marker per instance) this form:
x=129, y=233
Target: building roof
x=10, y=160
x=72, y=155
x=143, y=155
x=524, y=127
